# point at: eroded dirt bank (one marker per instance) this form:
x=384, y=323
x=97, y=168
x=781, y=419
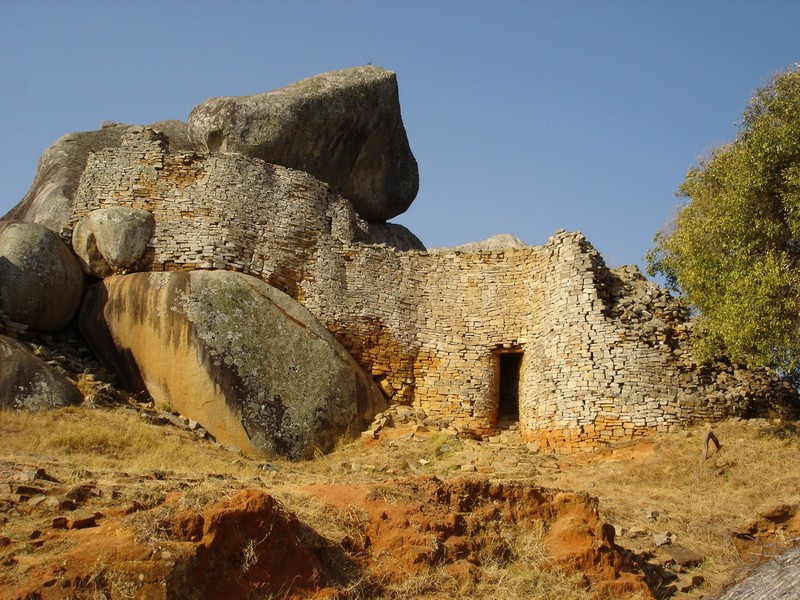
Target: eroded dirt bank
x=411, y=514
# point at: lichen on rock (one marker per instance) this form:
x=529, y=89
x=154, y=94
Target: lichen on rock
x=29, y=383
x=237, y=355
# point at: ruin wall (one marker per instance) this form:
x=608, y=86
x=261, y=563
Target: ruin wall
x=604, y=355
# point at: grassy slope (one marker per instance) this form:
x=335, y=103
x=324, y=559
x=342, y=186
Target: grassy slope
x=657, y=487
x=668, y=488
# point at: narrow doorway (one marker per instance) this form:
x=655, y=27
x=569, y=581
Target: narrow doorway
x=508, y=398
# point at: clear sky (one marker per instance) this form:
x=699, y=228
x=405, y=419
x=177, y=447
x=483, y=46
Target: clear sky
x=525, y=117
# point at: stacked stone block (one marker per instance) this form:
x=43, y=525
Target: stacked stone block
x=605, y=355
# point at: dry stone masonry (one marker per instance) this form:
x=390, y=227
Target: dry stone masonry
x=581, y=355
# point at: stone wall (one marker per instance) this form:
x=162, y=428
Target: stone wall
x=604, y=355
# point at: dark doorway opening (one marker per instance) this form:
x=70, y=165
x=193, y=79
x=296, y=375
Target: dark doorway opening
x=508, y=402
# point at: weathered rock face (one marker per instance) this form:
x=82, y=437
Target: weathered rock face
x=237, y=355
x=27, y=382
x=40, y=279
x=495, y=243
x=343, y=127
x=393, y=235
x=112, y=240
x=60, y=167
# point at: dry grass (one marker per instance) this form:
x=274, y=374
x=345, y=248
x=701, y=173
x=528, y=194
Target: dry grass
x=151, y=526
x=520, y=572
x=523, y=570
x=113, y=439
x=97, y=390
x=670, y=490
x=665, y=489
x=322, y=518
x=409, y=454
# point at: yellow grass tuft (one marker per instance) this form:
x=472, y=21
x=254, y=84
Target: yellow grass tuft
x=670, y=489
x=657, y=486
x=113, y=439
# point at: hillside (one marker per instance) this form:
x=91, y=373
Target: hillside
x=99, y=500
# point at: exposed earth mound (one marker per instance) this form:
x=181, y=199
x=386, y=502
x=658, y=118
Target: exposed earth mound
x=413, y=525
x=232, y=549
x=251, y=544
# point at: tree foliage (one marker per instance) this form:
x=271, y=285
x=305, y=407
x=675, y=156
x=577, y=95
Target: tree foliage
x=733, y=250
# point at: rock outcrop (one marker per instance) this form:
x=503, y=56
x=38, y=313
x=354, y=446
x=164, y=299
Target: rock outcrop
x=112, y=240
x=29, y=383
x=343, y=127
x=393, y=235
x=40, y=279
x=49, y=199
x=287, y=189
x=237, y=355
x=495, y=243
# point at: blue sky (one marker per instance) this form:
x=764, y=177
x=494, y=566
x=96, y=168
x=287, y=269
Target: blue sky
x=525, y=117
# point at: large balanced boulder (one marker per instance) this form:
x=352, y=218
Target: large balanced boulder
x=49, y=198
x=40, y=279
x=343, y=127
x=112, y=240
x=27, y=382
x=233, y=353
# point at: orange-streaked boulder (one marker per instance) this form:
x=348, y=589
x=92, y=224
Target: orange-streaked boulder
x=233, y=353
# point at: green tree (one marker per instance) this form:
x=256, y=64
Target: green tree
x=733, y=250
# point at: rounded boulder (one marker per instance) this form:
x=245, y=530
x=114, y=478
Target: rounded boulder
x=27, y=382
x=342, y=127
x=242, y=358
x=112, y=240
x=41, y=281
